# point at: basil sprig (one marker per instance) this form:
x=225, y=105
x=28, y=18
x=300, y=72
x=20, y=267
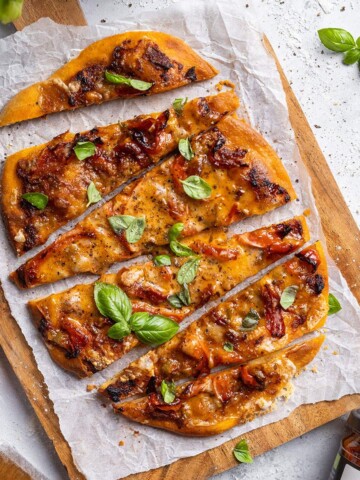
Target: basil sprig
x=250, y=321
x=162, y=261
x=185, y=149
x=241, y=452
x=84, y=150
x=187, y=271
x=168, y=391
x=181, y=299
x=113, y=303
x=340, y=40
x=93, y=194
x=36, y=199
x=179, y=104
x=176, y=247
x=334, y=304
x=228, y=347
x=131, y=82
x=288, y=296
x=195, y=187
x=133, y=226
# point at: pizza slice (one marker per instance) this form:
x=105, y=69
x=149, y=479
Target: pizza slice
x=220, y=401
x=121, y=66
x=75, y=332
x=62, y=172
x=287, y=303
x=222, y=176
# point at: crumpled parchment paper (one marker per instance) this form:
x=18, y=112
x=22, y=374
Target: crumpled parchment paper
x=220, y=33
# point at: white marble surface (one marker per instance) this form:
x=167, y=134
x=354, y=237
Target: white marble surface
x=329, y=95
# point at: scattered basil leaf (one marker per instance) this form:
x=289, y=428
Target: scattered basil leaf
x=10, y=10
x=175, y=231
x=138, y=320
x=84, y=150
x=131, y=82
x=336, y=39
x=180, y=250
x=162, y=261
x=184, y=295
x=175, y=301
x=334, y=304
x=36, y=199
x=168, y=391
x=93, y=194
x=187, y=272
x=195, y=187
x=241, y=452
x=134, y=226
x=288, y=296
x=179, y=104
x=358, y=42
x=228, y=347
x=119, y=330
x=250, y=322
x=185, y=149
x=119, y=223
x=351, y=56
x=156, y=330
x=112, y=302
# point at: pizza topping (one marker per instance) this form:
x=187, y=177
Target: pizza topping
x=185, y=149
x=197, y=188
x=132, y=226
x=179, y=104
x=158, y=58
x=146, y=132
x=147, y=291
x=311, y=257
x=157, y=403
x=168, y=391
x=218, y=253
x=187, y=271
x=251, y=381
x=222, y=390
x=264, y=188
x=250, y=322
x=93, y=194
x=180, y=299
x=292, y=226
x=223, y=157
x=36, y=199
x=191, y=75
x=315, y=283
x=131, y=152
x=288, y=296
x=78, y=336
x=84, y=149
x=273, y=313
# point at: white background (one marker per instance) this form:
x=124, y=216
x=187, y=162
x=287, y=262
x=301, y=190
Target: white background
x=329, y=94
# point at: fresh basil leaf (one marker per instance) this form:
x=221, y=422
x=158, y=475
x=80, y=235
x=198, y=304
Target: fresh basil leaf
x=162, y=261
x=241, y=452
x=187, y=272
x=138, y=320
x=288, y=296
x=351, y=56
x=184, y=295
x=157, y=329
x=112, y=302
x=334, y=304
x=180, y=250
x=175, y=231
x=134, y=226
x=119, y=330
x=168, y=391
x=36, y=199
x=228, y=347
x=119, y=223
x=336, y=39
x=131, y=82
x=179, y=104
x=250, y=322
x=195, y=187
x=93, y=194
x=10, y=10
x=84, y=150
x=175, y=301
x=185, y=149
x=358, y=42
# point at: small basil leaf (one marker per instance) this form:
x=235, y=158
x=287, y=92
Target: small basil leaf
x=135, y=230
x=10, y=10
x=157, y=330
x=93, y=194
x=175, y=301
x=179, y=104
x=241, y=452
x=187, y=272
x=336, y=39
x=162, y=261
x=185, y=149
x=195, y=187
x=334, y=304
x=119, y=223
x=84, y=150
x=119, y=330
x=138, y=320
x=131, y=82
x=168, y=391
x=351, y=56
x=250, y=322
x=112, y=302
x=228, y=347
x=184, y=295
x=288, y=296
x=358, y=42
x=180, y=250
x=38, y=200
x=175, y=231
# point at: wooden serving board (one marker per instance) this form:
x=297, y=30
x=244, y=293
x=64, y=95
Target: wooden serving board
x=340, y=230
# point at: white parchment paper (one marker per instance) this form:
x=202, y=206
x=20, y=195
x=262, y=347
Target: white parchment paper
x=225, y=37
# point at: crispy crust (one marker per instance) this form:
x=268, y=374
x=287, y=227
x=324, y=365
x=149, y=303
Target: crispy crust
x=229, y=261
x=53, y=168
x=247, y=177
x=144, y=55
x=200, y=347
x=218, y=402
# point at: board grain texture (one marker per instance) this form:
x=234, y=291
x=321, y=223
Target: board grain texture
x=340, y=230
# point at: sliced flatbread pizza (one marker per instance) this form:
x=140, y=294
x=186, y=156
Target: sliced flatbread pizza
x=217, y=402
x=76, y=333
x=287, y=303
x=73, y=171
x=222, y=176
x=121, y=66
